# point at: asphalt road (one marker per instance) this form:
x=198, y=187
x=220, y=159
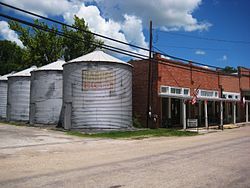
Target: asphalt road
x=33, y=157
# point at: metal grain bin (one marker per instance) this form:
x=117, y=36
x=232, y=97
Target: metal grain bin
x=46, y=94
x=97, y=92
x=3, y=95
x=19, y=95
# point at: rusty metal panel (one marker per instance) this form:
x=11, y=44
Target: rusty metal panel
x=46, y=96
x=100, y=94
x=3, y=98
x=18, y=98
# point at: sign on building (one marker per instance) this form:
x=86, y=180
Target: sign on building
x=98, y=79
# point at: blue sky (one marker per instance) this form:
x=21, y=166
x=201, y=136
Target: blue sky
x=230, y=21
x=175, y=24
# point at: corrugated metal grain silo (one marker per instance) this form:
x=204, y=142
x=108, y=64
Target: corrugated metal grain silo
x=46, y=93
x=18, y=100
x=97, y=92
x=3, y=95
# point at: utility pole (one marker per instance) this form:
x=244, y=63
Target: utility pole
x=149, y=104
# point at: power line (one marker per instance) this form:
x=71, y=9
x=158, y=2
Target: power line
x=122, y=51
x=206, y=38
x=185, y=60
x=70, y=26
x=107, y=47
x=195, y=48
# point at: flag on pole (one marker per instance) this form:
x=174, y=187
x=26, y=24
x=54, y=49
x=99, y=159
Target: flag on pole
x=195, y=95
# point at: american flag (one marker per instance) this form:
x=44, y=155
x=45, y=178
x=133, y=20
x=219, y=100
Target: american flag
x=195, y=96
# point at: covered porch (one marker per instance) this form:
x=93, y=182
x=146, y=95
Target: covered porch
x=176, y=111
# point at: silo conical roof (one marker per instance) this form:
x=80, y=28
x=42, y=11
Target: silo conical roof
x=5, y=77
x=57, y=65
x=97, y=56
x=25, y=72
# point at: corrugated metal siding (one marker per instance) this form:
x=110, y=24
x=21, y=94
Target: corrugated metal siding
x=18, y=98
x=3, y=98
x=99, y=108
x=46, y=97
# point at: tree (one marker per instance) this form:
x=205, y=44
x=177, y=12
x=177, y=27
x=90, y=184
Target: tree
x=83, y=42
x=11, y=57
x=229, y=69
x=41, y=47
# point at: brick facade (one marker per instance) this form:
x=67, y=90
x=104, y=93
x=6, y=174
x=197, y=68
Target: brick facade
x=173, y=73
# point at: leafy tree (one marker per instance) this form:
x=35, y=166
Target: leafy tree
x=82, y=42
x=41, y=47
x=11, y=57
x=229, y=69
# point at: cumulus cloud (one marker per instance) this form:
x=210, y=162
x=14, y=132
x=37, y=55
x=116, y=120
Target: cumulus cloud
x=128, y=30
x=200, y=52
x=122, y=20
x=43, y=7
x=165, y=14
x=9, y=34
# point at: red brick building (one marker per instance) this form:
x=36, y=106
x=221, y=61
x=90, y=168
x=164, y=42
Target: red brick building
x=221, y=98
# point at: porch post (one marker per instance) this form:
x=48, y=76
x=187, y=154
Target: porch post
x=247, y=112
x=226, y=112
x=221, y=114
x=199, y=109
x=234, y=112
x=206, y=118
x=184, y=114
x=169, y=108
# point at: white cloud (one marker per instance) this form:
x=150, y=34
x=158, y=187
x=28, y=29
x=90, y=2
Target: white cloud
x=166, y=14
x=200, y=52
x=122, y=20
x=9, y=34
x=223, y=58
x=128, y=30
x=43, y=7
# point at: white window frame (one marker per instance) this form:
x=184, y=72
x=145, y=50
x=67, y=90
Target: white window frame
x=168, y=91
x=233, y=94
x=215, y=94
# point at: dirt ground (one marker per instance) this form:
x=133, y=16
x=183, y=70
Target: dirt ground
x=34, y=157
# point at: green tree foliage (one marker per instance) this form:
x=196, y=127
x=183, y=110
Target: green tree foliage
x=229, y=69
x=11, y=57
x=82, y=43
x=41, y=47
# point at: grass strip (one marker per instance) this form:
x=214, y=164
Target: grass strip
x=135, y=134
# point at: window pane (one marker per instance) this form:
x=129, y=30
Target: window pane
x=178, y=91
x=203, y=93
x=173, y=90
x=186, y=91
x=163, y=89
x=209, y=93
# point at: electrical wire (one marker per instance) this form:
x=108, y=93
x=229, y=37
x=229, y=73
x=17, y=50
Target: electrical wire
x=185, y=60
x=122, y=51
x=107, y=47
x=195, y=48
x=206, y=38
x=70, y=26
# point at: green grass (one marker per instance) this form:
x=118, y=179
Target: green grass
x=138, y=134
